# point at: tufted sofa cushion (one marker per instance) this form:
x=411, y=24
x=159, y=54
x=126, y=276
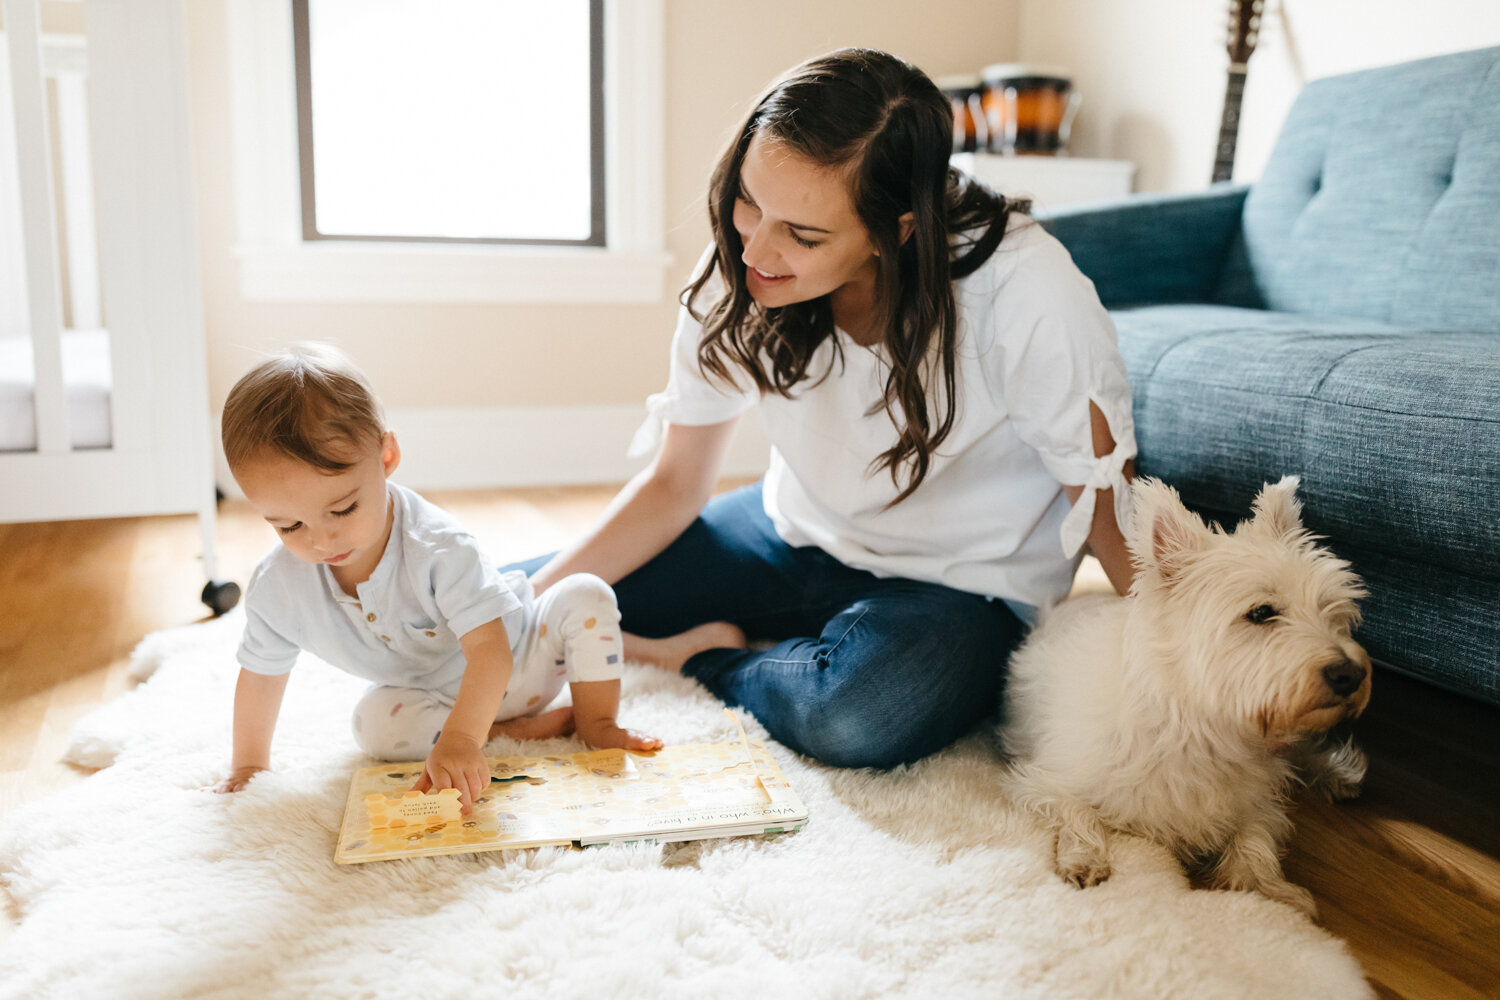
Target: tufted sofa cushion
x=1381, y=198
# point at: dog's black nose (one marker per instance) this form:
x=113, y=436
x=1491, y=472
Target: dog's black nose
x=1344, y=677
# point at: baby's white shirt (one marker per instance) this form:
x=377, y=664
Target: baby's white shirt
x=1034, y=347
x=433, y=584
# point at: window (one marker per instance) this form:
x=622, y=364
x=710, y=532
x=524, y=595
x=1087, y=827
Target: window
x=469, y=120
x=624, y=262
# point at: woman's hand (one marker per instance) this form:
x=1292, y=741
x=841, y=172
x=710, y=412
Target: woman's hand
x=238, y=779
x=456, y=761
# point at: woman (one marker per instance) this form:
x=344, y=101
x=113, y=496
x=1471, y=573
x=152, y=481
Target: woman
x=949, y=415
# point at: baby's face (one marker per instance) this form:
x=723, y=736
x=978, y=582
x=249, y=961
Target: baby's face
x=341, y=519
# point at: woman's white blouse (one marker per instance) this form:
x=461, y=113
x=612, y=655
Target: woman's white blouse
x=1034, y=348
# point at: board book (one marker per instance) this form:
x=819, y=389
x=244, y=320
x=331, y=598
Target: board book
x=687, y=792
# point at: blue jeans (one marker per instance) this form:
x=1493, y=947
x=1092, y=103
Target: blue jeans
x=864, y=671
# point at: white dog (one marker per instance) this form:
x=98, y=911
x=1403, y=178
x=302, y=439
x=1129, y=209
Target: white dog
x=1182, y=712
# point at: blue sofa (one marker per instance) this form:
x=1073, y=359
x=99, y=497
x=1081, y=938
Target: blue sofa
x=1339, y=319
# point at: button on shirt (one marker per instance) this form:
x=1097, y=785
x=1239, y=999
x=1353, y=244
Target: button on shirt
x=1034, y=348
x=403, y=625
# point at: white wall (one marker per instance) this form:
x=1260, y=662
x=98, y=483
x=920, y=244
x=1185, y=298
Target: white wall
x=719, y=55
x=1152, y=72
x=439, y=363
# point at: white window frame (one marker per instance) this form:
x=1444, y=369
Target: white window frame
x=275, y=264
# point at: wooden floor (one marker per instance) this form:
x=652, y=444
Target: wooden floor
x=1409, y=874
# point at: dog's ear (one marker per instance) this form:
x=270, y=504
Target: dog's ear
x=1277, y=509
x=1162, y=531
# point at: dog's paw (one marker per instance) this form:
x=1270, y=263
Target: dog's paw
x=1338, y=789
x=1081, y=862
x=1293, y=895
x=1334, y=772
x=1277, y=888
x=1085, y=873
x=1344, y=773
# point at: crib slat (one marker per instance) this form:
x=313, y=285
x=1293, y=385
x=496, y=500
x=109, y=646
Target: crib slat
x=78, y=196
x=38, y=226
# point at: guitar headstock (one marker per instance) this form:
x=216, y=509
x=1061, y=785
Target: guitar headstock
x=1244, y=28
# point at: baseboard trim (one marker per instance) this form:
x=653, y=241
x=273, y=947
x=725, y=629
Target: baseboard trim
x=488, y=447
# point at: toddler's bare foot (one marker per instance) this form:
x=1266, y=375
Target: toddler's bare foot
x=607, y=735
x=675, y=650
x=558, y=722
x=237, y=780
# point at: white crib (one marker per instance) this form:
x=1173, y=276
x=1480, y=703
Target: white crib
x=132, y=260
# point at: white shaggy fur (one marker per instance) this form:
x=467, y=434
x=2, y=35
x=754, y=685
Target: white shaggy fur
x=919, y=882
x=1179, y=713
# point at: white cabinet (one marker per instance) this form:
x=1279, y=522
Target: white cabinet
x=1051, y=182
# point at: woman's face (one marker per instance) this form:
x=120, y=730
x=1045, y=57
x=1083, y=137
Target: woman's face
x=801, y=235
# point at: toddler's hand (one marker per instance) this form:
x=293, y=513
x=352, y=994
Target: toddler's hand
x=237, y=780
x=456, y=761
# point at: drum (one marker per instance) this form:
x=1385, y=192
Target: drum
x=1027, y=109
x=964, y=93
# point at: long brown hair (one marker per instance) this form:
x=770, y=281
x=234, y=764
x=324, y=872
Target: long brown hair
x=889, y=129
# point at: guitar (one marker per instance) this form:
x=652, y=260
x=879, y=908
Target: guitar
x=1244, y=32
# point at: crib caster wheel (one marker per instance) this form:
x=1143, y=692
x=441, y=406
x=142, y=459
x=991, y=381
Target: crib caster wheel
x=221, y=595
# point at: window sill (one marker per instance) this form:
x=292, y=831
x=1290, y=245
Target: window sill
x=403, y=272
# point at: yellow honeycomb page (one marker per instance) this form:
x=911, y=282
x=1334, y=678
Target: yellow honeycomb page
x=678, y=793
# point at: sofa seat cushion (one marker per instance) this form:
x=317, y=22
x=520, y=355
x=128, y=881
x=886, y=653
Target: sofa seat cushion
x=1395, y=432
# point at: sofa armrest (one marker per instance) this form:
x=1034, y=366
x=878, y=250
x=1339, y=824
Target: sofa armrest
x=1153, y=248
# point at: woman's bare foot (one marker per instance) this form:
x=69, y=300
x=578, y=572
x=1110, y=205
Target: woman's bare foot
x=675, y=650
x=606, y=735
x=558, y=722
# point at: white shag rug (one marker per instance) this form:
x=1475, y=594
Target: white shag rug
x=921, y=882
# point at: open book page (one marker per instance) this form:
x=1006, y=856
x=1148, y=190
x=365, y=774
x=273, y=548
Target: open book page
x=599, y=796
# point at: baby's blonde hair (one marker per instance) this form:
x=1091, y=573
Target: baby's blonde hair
x=308, y=402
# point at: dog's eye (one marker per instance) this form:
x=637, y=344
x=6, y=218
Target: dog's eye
x=1260, y=614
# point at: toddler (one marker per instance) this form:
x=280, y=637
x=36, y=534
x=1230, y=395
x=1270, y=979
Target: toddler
x=378, y=582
